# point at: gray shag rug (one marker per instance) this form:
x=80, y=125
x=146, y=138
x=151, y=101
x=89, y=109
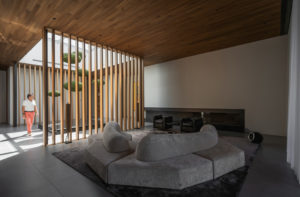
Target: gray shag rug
x=227, y=185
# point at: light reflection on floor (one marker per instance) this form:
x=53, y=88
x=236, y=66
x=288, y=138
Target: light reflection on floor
x=14, y=140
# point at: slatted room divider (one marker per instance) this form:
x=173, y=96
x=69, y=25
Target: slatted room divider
x=107, y=84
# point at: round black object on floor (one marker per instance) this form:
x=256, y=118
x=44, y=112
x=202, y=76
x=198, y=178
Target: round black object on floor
x=255, y=137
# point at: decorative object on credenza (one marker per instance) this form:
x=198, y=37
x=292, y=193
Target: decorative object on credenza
x=191, y=124
x=204, y=118
x=162, y=122
x=255, y=137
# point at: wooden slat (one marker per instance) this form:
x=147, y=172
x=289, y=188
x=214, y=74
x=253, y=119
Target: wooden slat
x=45, y=87
x=124, y=93
x=142, y=92
x=19, y=95
x=49, y=87
x=73, y=110
x=69, y=81
x=56, y=99
x=139, y=93
x=34, y=87
x=96, y=90
x=53, y=88
x=106, y=86
x=120, y=91
x=62, y=103
x=86, y=99
x=40, y=95
x=83, y=92
x=128, y=92
x=132, y=92
x=111, y=87
x=101, y=89
x=76, y=91
x=15, y=94
x=29, y=80
x=90, y=89
x=24, y=84
x=80, y=100
x=135, y=91
x=116, y=86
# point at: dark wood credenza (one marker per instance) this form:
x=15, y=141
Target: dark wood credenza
x=222, y=119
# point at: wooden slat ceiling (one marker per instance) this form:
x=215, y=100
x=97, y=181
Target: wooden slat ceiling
x=158, y=30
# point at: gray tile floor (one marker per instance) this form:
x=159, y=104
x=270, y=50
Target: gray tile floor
x=29, y=169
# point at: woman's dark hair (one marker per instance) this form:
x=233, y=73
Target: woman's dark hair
x=28, y=95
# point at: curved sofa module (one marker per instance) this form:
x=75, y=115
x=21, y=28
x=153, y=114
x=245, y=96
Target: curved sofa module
x=114, y=140
x=115, y=127
x=155, y=147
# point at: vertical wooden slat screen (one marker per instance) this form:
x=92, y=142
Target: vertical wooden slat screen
x=111, y=87
x=73, y=103
x=83, y=91
x=66, y=91
x=96, y=89
x=106, y=85
x=90, y=89
x=120, y=91
x=56, y=99
x=40, y=103
x=135, y=91
x=121, y=99
x=53, y=88
x=124, y=93
x=49, y=72
x=62, y=103
x=101, y=88
x=132, y=92
x=34, y=87
x=76, y=92
x=29, y=80
x=69, y=82
x=24, y=92
x=116, y=87
x=142, y=92
x=19, y=95
x=45, y=87
x=128, y=92
x=139, y=93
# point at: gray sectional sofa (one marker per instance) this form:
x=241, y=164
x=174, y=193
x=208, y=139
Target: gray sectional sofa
x=173, y=161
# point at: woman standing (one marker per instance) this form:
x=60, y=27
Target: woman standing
x=29, y=109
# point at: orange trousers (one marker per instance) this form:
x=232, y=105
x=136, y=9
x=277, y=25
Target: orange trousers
x=29, y=116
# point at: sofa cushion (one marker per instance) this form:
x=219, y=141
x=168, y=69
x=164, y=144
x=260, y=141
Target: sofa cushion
x=95, y=137
x=155, y=147
x=98, y=158
x=174, y=173
x=225, y=157
x=114, y=140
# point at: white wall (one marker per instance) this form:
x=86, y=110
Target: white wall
x=293, y=147
x=251, y=76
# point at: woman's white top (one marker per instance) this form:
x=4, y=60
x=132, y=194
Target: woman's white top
x=29, y=105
